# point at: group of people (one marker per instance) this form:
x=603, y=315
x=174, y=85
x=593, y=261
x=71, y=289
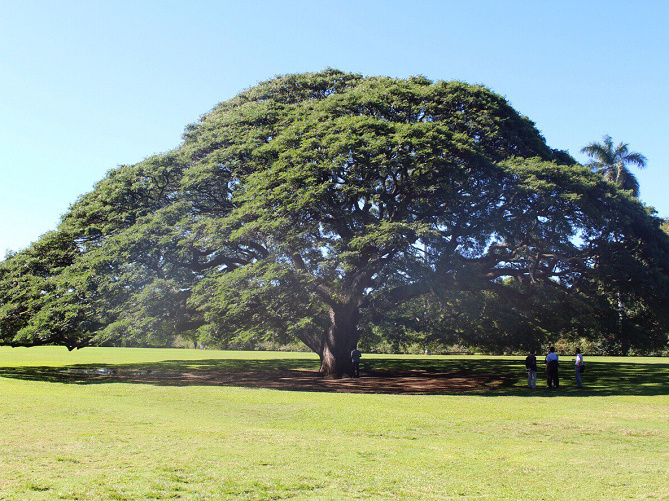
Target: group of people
x=552, y=377
x=552, y=359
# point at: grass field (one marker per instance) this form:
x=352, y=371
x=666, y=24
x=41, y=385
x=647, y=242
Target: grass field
x=112, y=423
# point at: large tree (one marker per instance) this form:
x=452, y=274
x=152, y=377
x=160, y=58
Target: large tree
x=612, y=162
x=315, y=204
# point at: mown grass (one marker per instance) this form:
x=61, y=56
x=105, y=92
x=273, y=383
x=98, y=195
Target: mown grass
x=69, y=432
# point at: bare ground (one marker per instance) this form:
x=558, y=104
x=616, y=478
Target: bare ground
x=376, y=381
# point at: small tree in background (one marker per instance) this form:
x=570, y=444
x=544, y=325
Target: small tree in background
x=612, y=162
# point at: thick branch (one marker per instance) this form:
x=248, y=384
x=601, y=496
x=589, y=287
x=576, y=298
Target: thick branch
x=321, y=290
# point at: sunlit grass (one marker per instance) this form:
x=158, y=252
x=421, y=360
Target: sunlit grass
x=67, y=439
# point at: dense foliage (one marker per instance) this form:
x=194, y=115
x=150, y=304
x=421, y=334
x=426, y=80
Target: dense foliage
x=323, y=207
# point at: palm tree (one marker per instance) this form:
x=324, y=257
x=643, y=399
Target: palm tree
x=611, y=162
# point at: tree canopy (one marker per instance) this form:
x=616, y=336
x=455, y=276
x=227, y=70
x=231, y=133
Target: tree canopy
x=317, y=206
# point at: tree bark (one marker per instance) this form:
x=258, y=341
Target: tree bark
x=340, y=339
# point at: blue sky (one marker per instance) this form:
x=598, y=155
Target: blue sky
x=89, y=85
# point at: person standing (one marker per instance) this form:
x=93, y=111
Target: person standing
x=355, y=360
x=578, y=365
x=531, y=367
x=552, y=369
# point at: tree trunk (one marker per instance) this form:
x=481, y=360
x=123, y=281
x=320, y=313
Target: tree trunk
x=622, y=337
x=340, y=339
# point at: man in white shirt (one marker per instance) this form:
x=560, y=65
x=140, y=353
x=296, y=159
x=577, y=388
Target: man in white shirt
x=552, y=369
x=578, y=364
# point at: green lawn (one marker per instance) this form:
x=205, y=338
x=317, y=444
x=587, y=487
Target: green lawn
x=70, y=430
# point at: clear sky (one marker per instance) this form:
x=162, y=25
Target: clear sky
x=88, y=85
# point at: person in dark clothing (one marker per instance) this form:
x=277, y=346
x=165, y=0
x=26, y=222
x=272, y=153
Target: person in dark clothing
x=552, y=369
x=355, y=360
x=531, y=367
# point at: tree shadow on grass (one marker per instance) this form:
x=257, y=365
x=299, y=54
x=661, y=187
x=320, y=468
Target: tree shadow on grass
x=433, y=376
